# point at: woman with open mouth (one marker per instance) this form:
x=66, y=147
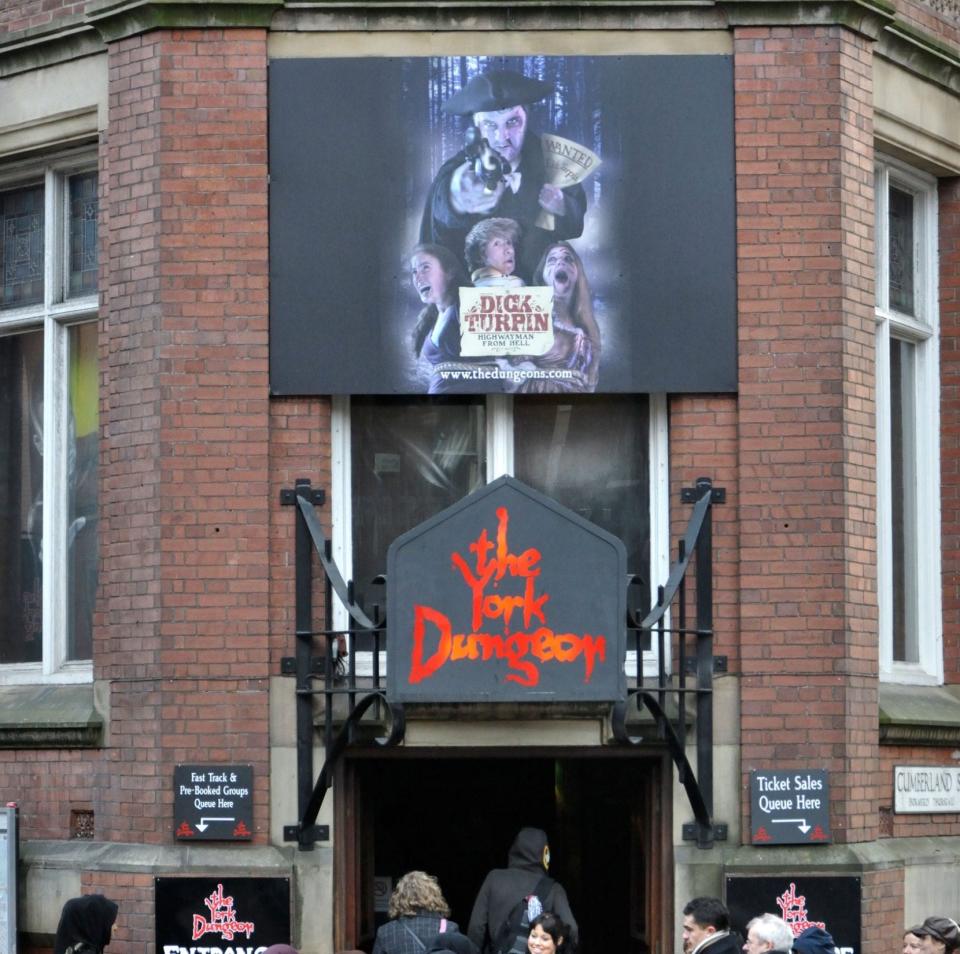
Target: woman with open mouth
x=576, y=334
x=437, y=276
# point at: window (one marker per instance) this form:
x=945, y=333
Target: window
x=908, y=513
x=398, y=461
x=49, y=426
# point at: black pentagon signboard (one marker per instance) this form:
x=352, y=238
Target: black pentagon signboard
x=506, y=597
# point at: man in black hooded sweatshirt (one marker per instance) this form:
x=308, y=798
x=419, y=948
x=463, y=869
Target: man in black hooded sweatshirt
x=86, y=925
x=527, y=865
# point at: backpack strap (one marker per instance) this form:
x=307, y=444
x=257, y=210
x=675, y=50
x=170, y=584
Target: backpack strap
x=412, y=934
x=543, y=887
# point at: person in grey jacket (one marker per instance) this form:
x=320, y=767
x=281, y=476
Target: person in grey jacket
x=527, y=863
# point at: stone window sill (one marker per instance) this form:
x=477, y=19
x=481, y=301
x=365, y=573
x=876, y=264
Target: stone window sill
x=49, y=717
x=919, y=715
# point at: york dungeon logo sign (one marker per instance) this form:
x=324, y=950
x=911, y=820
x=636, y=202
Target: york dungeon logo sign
x=829, y=903
x=241, y=916
x=506, y=597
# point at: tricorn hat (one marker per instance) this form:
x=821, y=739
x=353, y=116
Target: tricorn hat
x=940, y=928
x=498, y=89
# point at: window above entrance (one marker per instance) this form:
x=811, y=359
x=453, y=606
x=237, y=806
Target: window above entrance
x=403, y=460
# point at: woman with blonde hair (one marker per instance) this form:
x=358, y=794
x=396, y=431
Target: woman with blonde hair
x=418, y=913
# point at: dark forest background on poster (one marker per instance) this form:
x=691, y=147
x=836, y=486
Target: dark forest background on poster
x=356, y=143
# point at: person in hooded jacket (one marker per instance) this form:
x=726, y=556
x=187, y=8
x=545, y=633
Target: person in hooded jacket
x=527, y=864
x=814, y=940
x=86, y=925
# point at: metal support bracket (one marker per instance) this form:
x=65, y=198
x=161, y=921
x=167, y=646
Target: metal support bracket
x=718, y=495
x=719, y=665
x=311, y=834
x=697, y=542
x=288, y=666
x=692, y=831
x=317, y=496
x=307, y=665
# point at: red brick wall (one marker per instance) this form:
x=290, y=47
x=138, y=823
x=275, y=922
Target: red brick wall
x=807, y=549
x=881, y=912
x=19, y=15
x=299, y=447
x=949, y=222
x=703, y=443
x=185, y=529
x=937, y=18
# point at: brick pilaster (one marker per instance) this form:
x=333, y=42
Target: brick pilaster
x=183, y=625
x=806, y=411
x=949, y=223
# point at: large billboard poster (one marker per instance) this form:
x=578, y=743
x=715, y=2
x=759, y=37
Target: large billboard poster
x=480, y=224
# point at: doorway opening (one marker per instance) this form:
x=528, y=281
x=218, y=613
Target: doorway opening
x=607, y=818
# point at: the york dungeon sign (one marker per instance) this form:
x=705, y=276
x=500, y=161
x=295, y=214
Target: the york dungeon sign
x=506, y=596
x=479, y=224
x=221, y=915
x=829, y=903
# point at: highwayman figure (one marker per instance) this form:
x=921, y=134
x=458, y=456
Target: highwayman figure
x=459, y=197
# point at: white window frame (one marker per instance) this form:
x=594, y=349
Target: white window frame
x=54, y=316
x=923, y=589
x=499, y=417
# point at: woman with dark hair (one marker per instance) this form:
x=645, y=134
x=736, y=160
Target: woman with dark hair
x=418, y=912
x=548, y=935
x=437, y=275
x=86, y=925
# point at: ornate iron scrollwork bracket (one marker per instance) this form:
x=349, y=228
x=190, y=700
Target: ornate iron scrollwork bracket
x=307, y=667
x=698, y=541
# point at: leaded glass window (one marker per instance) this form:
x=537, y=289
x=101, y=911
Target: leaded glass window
x=83, y=234
x=901, y=251
x=21, y=251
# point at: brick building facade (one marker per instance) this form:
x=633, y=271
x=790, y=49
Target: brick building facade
x=836, y=552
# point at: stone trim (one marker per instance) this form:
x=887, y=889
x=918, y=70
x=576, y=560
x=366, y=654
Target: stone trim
x=117, y=19
x=921, y=54
x=109, y=20
x=49, y=717
x=46, y=46
x=919, y=715
x=157, y=859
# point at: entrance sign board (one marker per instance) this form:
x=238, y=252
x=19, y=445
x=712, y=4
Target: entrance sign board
x=789, y=808
x=926, y=789
x=832, y=904
x=221, y=915
x=8, y=879
x=506, y=597
x=213, y=802
x=626, y=159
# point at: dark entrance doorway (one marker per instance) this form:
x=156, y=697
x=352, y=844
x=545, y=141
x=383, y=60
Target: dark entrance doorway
x=455, y=816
